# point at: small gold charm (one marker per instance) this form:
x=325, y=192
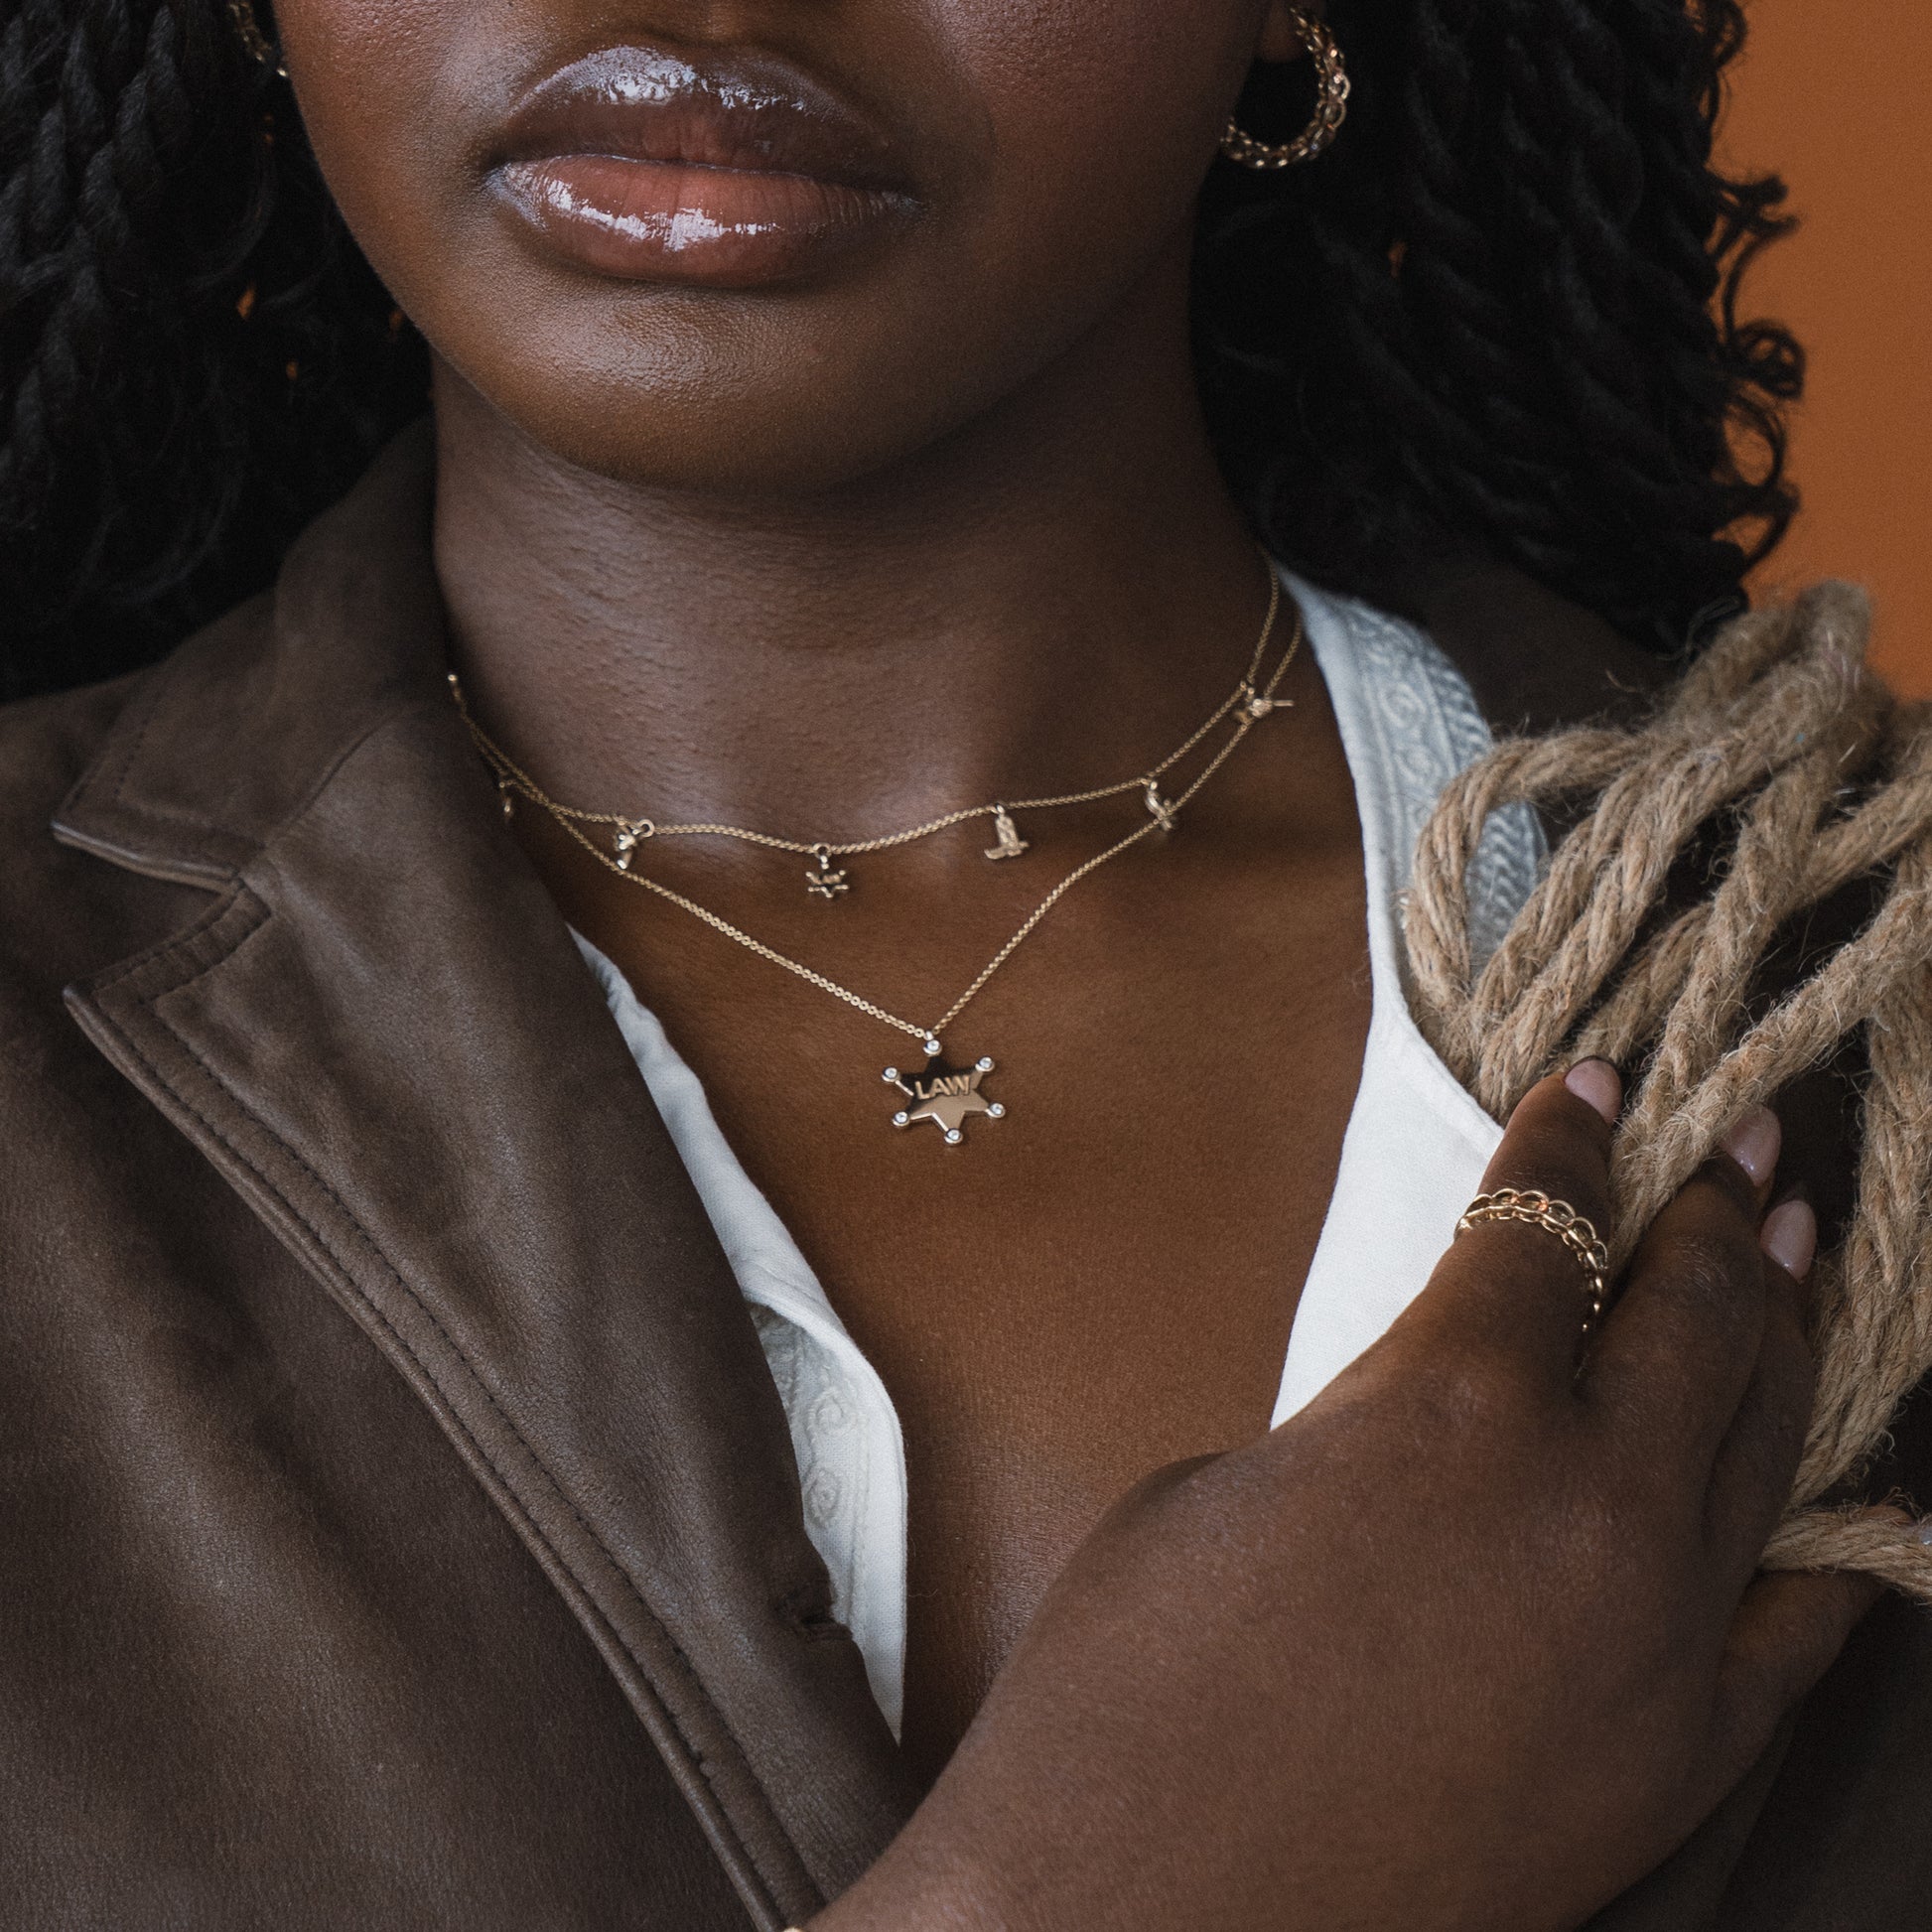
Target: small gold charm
x=824, y=879
x=508, y=797
x=1010, y=843
x=945, y=1095
x=1161, y=808
x=1257, y=707
x=632, y=833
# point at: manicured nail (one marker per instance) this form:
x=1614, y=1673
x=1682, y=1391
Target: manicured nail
x=1790, y=1237
x=1752, y=1139
x=1598, y=1083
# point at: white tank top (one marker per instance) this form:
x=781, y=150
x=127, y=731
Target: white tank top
x=1413, y=1154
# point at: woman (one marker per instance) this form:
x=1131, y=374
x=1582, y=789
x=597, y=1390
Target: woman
x=819, y=450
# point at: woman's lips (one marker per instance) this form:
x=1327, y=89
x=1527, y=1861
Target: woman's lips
x=647, y=166
x=654, y=220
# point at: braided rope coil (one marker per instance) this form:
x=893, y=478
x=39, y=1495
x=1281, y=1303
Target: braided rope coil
x=1781, y=741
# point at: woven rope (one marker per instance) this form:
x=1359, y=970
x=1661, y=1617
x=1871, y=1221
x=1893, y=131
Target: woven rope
x=1780, y=741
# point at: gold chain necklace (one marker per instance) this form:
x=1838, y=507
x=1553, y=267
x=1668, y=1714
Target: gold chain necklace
x=828, y=882
x=945, y=1094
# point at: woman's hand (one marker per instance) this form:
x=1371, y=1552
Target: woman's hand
x=1472, y=1641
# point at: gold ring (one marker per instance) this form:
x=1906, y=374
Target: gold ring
x=1576, y=1231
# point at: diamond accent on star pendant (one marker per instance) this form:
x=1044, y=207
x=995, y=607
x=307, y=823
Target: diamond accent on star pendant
x=944, y=1095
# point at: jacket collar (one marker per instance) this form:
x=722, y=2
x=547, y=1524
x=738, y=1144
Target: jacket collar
x=382, y=1034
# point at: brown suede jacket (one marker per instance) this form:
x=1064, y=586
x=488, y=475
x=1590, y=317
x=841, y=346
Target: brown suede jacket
x=398, y=1524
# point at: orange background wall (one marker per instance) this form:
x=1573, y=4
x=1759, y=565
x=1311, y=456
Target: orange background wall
x=1837, y=96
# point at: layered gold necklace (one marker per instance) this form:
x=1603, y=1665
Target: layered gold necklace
x=942, y=1092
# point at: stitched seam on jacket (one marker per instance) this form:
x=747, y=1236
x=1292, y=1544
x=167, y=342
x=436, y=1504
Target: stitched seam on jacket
x=137, y=745
x=150, y=701
x=236, y=897
x=132, y=745
x=696, y=1755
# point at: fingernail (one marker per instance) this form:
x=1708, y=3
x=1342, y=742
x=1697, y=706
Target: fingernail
x=1598, y=1083
x=1790, y=1237
x=1752, y=1139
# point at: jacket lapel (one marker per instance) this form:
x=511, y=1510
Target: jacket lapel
x=382, y=1034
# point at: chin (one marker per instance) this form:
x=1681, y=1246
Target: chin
x=785, y=394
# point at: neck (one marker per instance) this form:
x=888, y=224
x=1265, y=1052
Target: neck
x=1045, y=599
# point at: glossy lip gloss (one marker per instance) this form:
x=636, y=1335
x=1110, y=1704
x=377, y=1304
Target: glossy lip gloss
x=642, y=165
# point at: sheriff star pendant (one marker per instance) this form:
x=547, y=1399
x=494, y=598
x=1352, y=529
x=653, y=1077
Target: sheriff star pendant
x=943, y=1094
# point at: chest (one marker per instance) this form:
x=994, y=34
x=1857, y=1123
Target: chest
x=1101, y=1278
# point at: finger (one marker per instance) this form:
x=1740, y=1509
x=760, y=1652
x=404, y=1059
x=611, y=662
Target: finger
x=1752, y=1143
x=1789, y=1235
x=1680, y=1348
x=1750, y=1481
x=1511, y=1286
x=1787, y=1632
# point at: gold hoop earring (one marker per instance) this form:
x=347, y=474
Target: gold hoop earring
x=254, y=42
x=1330, y=109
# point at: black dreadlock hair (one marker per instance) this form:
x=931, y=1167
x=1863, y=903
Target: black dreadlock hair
x=1501, y=315
x=195, y=358
x=1497, y=319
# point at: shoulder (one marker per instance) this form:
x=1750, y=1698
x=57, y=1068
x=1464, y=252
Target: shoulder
x=64, y=915
x=63, y=912
x=46, y=744
x=1534, y=661
x=1727, y=837
x=1738, y=914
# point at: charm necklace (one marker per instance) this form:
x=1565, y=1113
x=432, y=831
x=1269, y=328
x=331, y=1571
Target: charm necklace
x=824, y=879
x=945, y=1094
